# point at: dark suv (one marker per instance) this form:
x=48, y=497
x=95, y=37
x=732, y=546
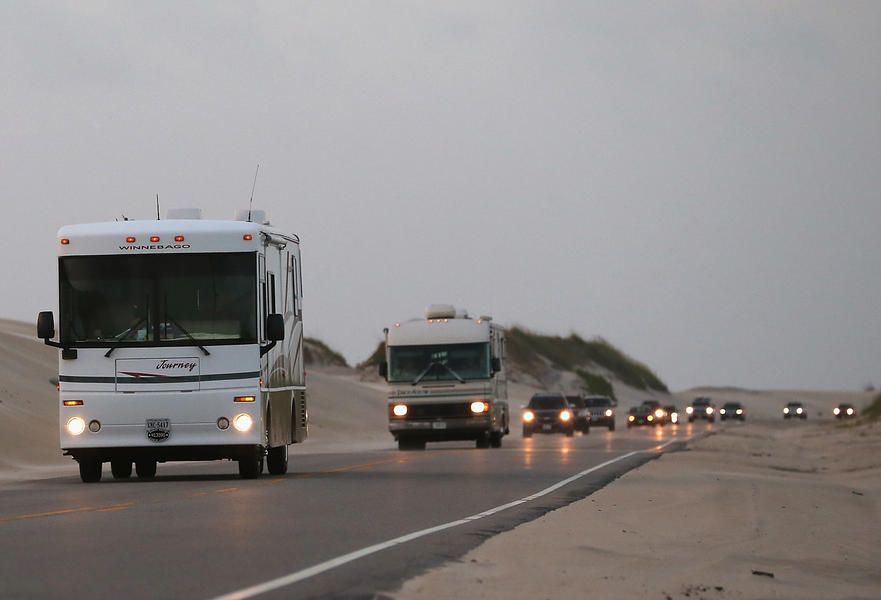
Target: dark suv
x=548, y=413
x=602, y=411
x=844, y=411
x=701, y=408
x=580, y=413
x=732, y=410
x=795, y=410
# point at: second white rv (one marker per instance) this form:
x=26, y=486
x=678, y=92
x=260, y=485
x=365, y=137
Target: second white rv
x=446, y=377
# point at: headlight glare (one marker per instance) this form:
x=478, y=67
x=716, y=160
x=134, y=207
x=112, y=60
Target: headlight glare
x=528, y=416
x=243, y=422
x=479, y=407
x=75, y=426
x=565, y=415
x=850, y=411
x=689, y=409
x=608, y=412
x=400, y=410
x=709, y=410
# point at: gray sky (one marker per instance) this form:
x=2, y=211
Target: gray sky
x=698, y=182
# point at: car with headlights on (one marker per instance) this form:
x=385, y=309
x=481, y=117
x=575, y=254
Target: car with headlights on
x=548, y=413
x=795, y=410
x=644, y=414
x=844, y=411
x=672, y=413
x=732, y=410
x=580, y=412
x=701, y=408
x=602, y=411
x=658, y=412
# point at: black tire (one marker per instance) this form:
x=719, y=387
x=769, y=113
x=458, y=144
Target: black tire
x=121, y=469
x=251, y=467
x=691, y=419
x=495, y=439
x=527, y=433
x=570, y=432
x=482, y=442
x=277, y=460
x=146, y=469
x=90, y=470
x=612, y=426
x=586, y=430
x=712, y=419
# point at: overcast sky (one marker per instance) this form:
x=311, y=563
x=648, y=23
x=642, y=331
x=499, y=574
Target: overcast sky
x=698, y=182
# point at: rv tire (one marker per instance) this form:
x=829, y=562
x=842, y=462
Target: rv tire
x=90, y=470
x=146, y=469
x=121, y=469
x=251, y=467
x=277, y=460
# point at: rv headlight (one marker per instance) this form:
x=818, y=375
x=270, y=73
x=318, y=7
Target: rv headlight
x=565, y=415
x=243, y=422
x=609, y=412
x=75, y=426
x=479, y=407
x=400, y=410
x=528, y=416
x=689, y=409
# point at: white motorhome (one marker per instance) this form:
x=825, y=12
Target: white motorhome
x=181, y=339
x=446, y=377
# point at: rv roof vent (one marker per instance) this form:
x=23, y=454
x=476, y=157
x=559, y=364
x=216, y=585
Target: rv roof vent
x=183, y=213
x=257, y=216
x=440, y=311
x=485, y=318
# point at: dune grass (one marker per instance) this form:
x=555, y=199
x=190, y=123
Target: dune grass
x=317, y=352
x=873, y=411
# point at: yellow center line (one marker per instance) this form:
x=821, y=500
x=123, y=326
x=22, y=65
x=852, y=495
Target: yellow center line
x=66, y=511
x=225, y=490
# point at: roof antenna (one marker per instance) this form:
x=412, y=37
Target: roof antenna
x=251, y=204
x=157, y=206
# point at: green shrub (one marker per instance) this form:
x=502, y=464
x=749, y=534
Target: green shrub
x=374, y=359
x=596, y=385
x=873, y=411
x=316, y=351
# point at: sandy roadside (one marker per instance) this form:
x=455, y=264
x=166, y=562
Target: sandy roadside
x=799, y=501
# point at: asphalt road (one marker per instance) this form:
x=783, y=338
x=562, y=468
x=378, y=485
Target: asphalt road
x=198, y=531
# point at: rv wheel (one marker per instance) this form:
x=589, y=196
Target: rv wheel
x=121, y=469
x=146, y=469
x=251, y=467
x=277, y=460
x=90, y=470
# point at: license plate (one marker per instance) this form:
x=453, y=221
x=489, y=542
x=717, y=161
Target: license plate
x=158, y=430
x=438, y=425
x=546, y=427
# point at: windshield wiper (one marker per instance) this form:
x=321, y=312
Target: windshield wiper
x=121, y=337
x=188, y=334
x=431, y=366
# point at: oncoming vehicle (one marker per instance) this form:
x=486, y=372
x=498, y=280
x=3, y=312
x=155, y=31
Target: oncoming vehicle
x=701, y=408
x=659, y=415
x=644, y=414
x=581, y=412
x=672, y=413
x=844, y=411
x=602, y=411
x=446, y=378
x=732, y=410
x=548, y=413
x=180, y=339
x=795, y=410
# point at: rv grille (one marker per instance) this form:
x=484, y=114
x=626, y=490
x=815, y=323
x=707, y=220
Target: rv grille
x=439, y=411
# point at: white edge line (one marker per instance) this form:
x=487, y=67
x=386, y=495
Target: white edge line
x=274, y=584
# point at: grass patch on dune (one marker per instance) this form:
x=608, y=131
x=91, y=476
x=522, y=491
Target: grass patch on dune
x=595, y=385
x=873, y=411
x=573, y=352
x=374, y=359
x=317, y=352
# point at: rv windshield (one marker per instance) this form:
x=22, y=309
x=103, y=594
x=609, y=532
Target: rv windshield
x=448, y=362
x=158, y=299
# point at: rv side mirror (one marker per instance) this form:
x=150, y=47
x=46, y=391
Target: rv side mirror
x=383, y=370
x=275, y=328
x=46, y=325
x=496, y=364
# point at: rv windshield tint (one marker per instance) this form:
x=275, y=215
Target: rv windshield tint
x=449, y=362
x=158, y=299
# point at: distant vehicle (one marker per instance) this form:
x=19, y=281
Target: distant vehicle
x=644, y=414
x=701, y=408
x=446, y=379
x=602, y=411
x=732, y=410
x=672, y=413
x=548, y=413
x=795, y=410
x=581, y=412
x=181, y=340
x=658, y=412
x=844, y=411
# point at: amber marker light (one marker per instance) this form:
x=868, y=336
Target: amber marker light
x=131, y=239
x=244, y=399
x=154, y=238
x=73, y=403
x=247, y=237
x=179, y=238
x=65, y=241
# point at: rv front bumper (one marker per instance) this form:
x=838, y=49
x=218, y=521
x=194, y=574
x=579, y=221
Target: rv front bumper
x=440, y=426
